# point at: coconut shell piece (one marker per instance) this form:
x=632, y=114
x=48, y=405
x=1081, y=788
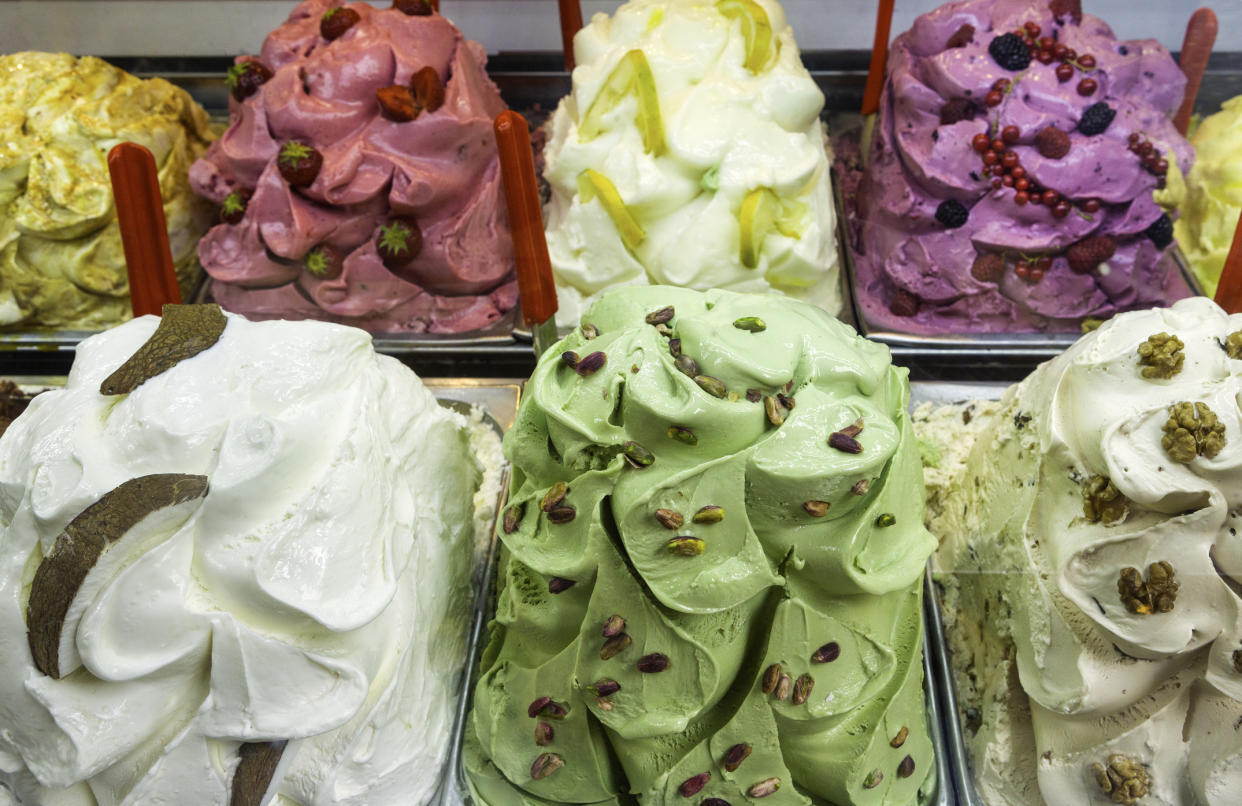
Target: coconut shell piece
x=125, y=523
x=184, y=332
x=255, y=772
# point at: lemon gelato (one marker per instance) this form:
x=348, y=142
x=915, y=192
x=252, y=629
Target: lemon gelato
x=1213, y=197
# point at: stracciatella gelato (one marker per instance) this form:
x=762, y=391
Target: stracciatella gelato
x=1010, y=179
x=359, y=178
x=709, y=586
x=1090, y=562
x=61, y=260
x=690, y=153
x=248, y=577
x=1213, y=195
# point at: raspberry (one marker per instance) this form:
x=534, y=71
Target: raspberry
x=904, y=303
x=1052, y=143
x=1067, y=8
x=1161, y=231
x=1010, y=52
x=988, y=268
x=961, y=37
x=952, y=214
x=1088, y=253
x=956, y=110
x=1096, y=118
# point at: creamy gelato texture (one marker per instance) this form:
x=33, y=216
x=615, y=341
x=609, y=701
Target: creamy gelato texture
x=441, y=169
x=691, y=599
x=690, y=153
x=1213, y=194
x=316, y=598
x=1089, y=558
x=1007, y=192
x=61, y=261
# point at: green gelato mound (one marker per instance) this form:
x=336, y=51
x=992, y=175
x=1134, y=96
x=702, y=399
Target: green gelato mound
x=61, y=260
x=674, y=652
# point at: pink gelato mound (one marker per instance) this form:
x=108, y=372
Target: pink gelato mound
x=945, y=244
x=441, y=169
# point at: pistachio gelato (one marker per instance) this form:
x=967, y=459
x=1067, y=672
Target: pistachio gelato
x=61, y=260
x=709, y=582
x=1090, y=564
x=1213, y=194
x=690, y=153
x=232, y=571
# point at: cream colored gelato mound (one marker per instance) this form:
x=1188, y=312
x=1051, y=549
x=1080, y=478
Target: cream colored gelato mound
x=61, y=260
x=1213, y=201
x=311, y=606
x=690, y=153
x=1090, y=561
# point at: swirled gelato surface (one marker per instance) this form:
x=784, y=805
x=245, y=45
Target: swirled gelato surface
x=61, y=260
x=692, y=599
x=1213, y=194
x=1090, y=558
x=946, y=243
x=711, y=142
x=316, y=597
x=441, y=169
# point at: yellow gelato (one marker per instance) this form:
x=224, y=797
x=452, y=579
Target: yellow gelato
x=61, y=260
x=1213, y=198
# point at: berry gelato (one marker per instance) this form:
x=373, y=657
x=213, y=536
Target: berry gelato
x=1009, y=184
x=359, y=180
x=1091, y=561
x=690, y=153
x=710, y=582
x=61, y=260
x=232, y=571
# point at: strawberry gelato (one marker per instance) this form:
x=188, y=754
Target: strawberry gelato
x=359, y=178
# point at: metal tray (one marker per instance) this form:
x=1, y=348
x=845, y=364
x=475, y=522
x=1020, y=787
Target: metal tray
x=456, y=792
x=957, y=759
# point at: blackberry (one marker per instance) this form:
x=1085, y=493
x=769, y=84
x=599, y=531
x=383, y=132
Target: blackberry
x=952, y=214
x=1010, y=52
x=1096, y=118
x=1161, y=231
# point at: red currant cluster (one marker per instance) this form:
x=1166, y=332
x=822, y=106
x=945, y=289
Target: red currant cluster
x=1046, y=50
x=1152, y=160
x=1032, y=270
x=1003, y=165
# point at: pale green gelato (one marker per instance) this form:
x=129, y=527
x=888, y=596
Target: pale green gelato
x=61, y=260
x=773, y=584
x=1213, y=201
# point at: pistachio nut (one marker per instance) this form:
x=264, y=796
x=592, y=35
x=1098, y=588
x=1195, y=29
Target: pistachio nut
x=735, y=755
x=686, y=546
x=604, y=686
x=802, y=689
x=816, y=509
x=783, y=687
x=906, y=768
x=654, y=663
x=589, y=331
x=686, y=365
x=826, y=653
x=774, y=410
x=591, y=364
x=712, y=386
x=900, y=738
x=674, y=347
x=682, y=434
x=886, y=520
x=554, y=496
x=764, y=788
x=694, y=784
x=751, y=324
x=873, y=779
x=638, y=456
x=709, y=514
x=543, y=734
x=562, y=514
x=771, y=676
x=570, y=358
x=615, y=646
x=661, y=316
x=559, y=584
x=613, y=625
x=513, y=517
x=669, y=519
x=545, y=765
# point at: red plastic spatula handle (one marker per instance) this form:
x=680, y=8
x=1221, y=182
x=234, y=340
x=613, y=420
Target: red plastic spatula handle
x=1229, y=291
x=144, y=232
x=879, y=56
x=534, y=269
x=571, y=23
x=1196, y=49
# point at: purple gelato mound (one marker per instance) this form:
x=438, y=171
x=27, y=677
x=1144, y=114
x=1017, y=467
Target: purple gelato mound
x=945, y=245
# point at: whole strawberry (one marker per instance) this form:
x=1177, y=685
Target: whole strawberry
x=399, y=241
x=414, y=8
x=336, y=21
x=324, y=262
x=428, y=89
x=245, y=78
x=299, y=163
x=234, y=208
